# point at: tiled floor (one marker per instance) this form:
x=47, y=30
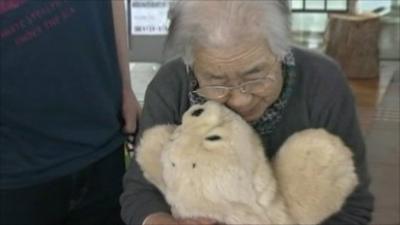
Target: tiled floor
x=369, y=92
x=378, y=104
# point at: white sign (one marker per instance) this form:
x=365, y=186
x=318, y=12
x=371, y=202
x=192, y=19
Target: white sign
x=149, y=17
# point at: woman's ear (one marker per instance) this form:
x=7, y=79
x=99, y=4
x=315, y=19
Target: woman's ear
x=149, y=152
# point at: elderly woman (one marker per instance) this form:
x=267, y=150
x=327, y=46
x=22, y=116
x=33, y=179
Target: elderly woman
x=238, y=53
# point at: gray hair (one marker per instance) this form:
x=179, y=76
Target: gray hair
x=225, y=23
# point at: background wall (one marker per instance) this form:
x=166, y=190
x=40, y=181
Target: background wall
x=146, y=48
x=307, y=30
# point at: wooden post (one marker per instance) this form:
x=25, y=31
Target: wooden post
x=353, y=41
x=352, y=6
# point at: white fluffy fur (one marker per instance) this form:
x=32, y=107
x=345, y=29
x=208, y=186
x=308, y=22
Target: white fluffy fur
x=231, y=180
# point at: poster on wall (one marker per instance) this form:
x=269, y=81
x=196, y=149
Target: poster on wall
x=149, y=17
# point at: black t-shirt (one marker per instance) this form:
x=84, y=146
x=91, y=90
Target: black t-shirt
x=60, y=88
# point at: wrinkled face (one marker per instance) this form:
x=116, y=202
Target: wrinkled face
x=246, y=62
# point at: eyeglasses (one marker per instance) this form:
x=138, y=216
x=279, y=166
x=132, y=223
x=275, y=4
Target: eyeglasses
x=250, y=87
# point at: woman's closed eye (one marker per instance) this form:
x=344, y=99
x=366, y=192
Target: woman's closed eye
x=252, y=72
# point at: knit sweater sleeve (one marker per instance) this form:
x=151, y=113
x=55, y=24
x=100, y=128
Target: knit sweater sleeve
x=333, y=108
x=163, y=105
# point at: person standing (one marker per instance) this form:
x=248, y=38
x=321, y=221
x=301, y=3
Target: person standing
x=65, y=104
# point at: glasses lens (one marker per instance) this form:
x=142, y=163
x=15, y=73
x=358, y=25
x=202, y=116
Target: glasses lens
x=256, y=86
x=212, y=92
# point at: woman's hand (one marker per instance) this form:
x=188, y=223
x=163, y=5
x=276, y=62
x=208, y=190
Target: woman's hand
x=160, y=219
x=167, y=219
x=197, y=221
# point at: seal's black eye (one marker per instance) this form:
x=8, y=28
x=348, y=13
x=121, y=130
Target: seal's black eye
x=197, y=112
x=173, y=164
x=194, y=165
x=213, y=138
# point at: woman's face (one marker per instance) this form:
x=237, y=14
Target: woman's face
x=249, y=61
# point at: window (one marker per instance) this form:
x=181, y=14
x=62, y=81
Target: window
x=148, y=17
x=319, y=5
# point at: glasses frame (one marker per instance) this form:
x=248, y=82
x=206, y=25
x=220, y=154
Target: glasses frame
x=241, y=87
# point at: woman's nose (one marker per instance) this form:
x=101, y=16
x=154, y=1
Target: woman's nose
x=239, y=101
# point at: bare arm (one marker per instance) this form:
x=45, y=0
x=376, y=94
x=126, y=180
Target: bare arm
x=121, y=38
x=130, y=105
